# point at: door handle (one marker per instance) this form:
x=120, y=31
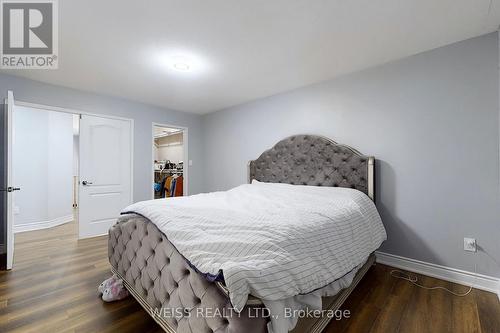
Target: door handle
x=86, y=183
x=10, y=189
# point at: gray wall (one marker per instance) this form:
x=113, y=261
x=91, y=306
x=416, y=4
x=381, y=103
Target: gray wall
x=431, y=120
x=144, y=115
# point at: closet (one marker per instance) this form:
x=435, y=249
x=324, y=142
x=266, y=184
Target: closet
x=168, y=162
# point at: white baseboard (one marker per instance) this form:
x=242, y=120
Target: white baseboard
x=478, y=281
x=42, y=224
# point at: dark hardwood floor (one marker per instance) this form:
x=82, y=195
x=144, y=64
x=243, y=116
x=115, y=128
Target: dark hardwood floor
x=52, y=288
x=382, y=303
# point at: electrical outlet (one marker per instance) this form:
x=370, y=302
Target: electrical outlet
x=16, y=210
x=470, y=244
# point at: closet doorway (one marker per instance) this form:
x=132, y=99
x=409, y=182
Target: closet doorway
x=170, y=161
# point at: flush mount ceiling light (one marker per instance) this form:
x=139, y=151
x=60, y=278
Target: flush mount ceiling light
x=181, y=66
x=183, y=63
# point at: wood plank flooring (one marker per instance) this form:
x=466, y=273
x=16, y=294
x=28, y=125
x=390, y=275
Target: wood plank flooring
x=52, y=288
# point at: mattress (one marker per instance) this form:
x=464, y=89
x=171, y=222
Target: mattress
x=274, y=241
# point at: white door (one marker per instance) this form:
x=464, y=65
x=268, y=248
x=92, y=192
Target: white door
x=105, y=173
x=9, y=187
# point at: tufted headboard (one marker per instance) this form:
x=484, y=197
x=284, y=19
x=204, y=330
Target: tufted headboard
x=314, y=160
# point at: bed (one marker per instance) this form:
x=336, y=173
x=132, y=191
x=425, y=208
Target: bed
x=162, y=280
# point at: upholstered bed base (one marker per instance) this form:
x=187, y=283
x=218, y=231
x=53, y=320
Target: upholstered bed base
x=159, y=277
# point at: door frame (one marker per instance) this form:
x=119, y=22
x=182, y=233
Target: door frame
x=80, y=112
x=9, y=135
x=185, y=148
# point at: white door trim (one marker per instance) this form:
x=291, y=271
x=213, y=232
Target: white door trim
x=186, y=155
x=81, y=112
x=68, y=110
x=9, y=112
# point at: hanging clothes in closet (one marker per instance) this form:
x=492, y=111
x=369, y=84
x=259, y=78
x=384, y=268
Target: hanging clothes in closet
x=179, y=187
x=174, y=186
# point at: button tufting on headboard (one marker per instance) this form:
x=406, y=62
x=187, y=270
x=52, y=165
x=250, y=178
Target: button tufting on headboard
x=314, y=160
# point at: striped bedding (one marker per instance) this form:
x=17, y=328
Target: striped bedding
x=273, y=241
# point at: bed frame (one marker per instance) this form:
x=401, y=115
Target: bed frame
x=159, y=277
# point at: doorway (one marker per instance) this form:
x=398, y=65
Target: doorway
x=65, y=169
x=45, y=164
x=170, y=161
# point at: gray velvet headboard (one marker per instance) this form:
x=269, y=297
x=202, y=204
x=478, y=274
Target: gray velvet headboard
x=314, y=160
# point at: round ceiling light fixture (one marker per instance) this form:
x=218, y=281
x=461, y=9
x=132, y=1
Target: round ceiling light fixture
x=181, y=66
x=182, y=63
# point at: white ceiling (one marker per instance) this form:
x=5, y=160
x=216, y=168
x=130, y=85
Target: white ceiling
x=248, y=49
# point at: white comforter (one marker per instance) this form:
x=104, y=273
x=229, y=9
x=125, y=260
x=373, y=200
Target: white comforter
x=273, y=241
